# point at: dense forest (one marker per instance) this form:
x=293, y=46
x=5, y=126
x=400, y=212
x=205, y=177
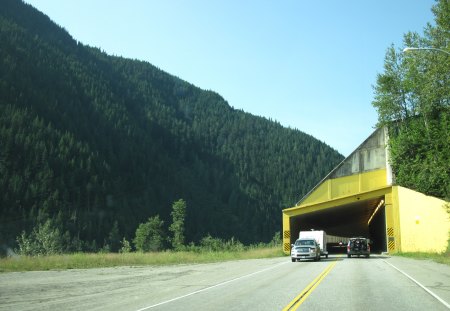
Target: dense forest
x=99, y=143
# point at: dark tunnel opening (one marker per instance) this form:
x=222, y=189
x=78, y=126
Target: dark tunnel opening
x=377, y=232
x=346, y=221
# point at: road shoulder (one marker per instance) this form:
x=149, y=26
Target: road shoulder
x=432, y=275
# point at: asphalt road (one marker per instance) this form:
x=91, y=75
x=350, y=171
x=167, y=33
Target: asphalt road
x=338, y=283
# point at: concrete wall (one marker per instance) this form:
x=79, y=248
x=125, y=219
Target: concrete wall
x=424, y=221
x=370, y=155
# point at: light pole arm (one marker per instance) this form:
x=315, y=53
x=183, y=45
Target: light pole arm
x=408, y=49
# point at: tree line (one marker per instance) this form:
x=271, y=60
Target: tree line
x=151, y=236
x=47, y=238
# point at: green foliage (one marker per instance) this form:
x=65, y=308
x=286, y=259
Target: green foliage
x=421, y=158
x=177, y=227
x=412, y=97
x=443, y=258
x=125, y=246
x=45, y=239
x=210, y=244
x=98, y=260
x=105, y=249
x=92, y=139
x=277, y=240
x=150, y=235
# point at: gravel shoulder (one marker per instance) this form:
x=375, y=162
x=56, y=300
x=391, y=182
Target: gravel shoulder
x=118, y=288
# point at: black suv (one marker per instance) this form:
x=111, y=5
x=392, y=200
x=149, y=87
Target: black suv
x=358, y=246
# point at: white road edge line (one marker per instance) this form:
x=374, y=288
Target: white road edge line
x=423, y=287
x=213, y=286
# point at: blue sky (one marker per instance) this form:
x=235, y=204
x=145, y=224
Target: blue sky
x=309, y=65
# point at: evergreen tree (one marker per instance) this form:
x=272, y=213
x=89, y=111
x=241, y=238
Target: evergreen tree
x=177, y=227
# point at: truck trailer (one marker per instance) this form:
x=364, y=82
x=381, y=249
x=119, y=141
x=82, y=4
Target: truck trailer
x=321, y=238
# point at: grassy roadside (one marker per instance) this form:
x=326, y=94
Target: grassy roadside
x=101, y=260
x=443, y=258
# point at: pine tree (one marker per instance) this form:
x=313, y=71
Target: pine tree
x=177, y=227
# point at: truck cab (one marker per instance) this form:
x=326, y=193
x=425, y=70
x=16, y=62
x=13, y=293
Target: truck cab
x=305, y=248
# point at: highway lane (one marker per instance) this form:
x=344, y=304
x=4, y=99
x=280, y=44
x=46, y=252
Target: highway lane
x=350, y=284
x=263, y=284
x=369, y=284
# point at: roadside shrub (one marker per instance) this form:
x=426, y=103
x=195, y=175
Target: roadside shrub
x=210, y=244
x=150, y=235
x=277, y=240
x=45, y=239
x=105, y=249
x=234, y=245
x=126, y=246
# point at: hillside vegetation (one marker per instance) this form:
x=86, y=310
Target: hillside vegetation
x=98, y=144
x=412, y=97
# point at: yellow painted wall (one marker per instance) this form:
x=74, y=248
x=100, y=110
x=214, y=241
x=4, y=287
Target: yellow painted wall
x=373, y=180
x=286, y=234
x=320, y=194
x=393, y=232
x=424, y=221
x=345, y=186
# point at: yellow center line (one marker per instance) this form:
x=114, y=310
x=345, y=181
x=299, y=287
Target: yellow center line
x=297, y=301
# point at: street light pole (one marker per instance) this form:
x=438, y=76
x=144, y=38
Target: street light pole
x=408, y=49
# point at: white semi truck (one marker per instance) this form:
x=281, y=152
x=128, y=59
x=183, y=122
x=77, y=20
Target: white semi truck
x=321, y=238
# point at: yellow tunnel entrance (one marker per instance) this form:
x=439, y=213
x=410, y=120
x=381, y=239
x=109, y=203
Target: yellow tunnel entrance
x=364, y=218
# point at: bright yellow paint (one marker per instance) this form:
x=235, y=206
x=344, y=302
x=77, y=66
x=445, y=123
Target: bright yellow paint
x=308, y=208
x=392, y=223
x=414, y=222
x=373, y=180
x=314, y=207
x=286, y=234
x=346, y=186
x=322, y=193
x=424, y=221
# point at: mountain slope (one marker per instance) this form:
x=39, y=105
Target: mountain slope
x=89, y=139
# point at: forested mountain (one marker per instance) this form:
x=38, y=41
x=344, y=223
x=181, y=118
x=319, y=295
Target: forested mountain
x=89, y=139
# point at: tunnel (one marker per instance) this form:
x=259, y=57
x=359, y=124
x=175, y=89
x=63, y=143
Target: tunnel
x=365, y=218
x=359, y=198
